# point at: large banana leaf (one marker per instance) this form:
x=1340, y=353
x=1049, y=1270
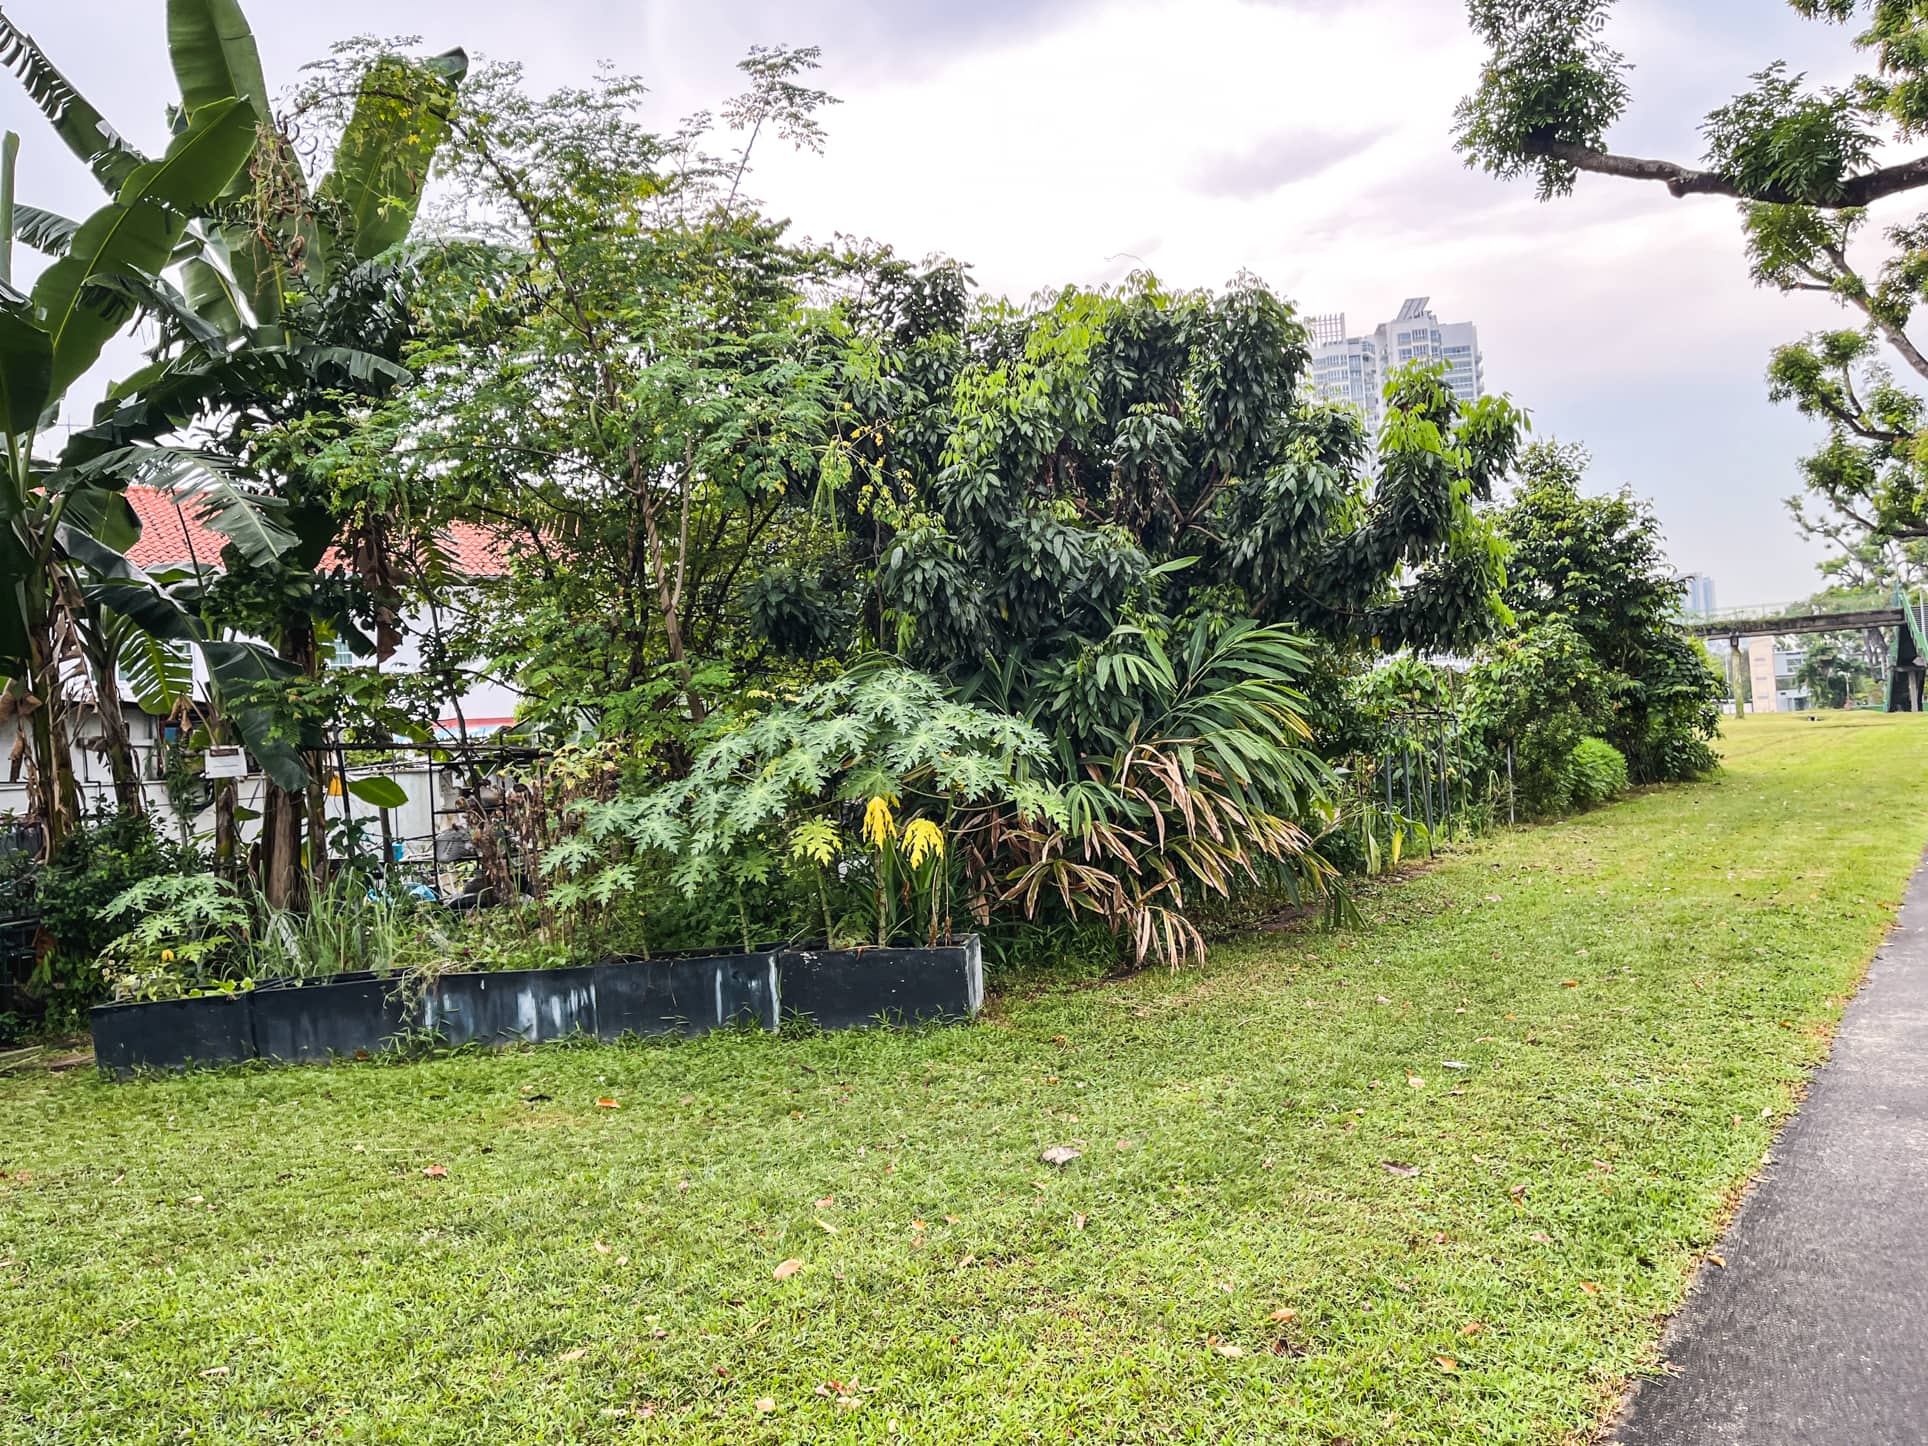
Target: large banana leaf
x=401, y=119
x=136, y=232
x=207, y=277
x=97, y=557
x=245, y=519
x=214, y=55
x=26, y=369
x=44, y=230
x=76, y=122
x=159, y=674
x=147, y=607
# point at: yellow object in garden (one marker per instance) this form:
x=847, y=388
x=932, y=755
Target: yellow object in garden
x=334, y=786
x=922, y=839
x=880, y=824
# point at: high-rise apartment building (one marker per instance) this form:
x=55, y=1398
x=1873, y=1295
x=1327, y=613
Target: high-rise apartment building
x=1354, y=368
x=1698, y=600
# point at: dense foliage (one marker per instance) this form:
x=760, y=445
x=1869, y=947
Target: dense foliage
x=1595, y=566
x=843, y=602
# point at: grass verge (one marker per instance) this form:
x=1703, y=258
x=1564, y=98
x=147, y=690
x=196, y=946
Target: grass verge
x=1437, y=1181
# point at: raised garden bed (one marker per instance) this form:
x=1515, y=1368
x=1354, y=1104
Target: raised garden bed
x=862, y=988
x=173, y=1033
x=358, y=1015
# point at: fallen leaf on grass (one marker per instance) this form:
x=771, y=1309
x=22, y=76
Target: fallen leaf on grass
x=435, y=1172
x=1394, y=1167
x=212, y=1371
x=1472, y=1328
x=1077, y=1222
x=765, y=1405
x=826, y=1202
x=601, y=1249
x=1284, y=1313
x=1717, y=1260
x=1540, y=1237
x=606, y=1103
x=1446, y=1363
x=1060, y=1156
x=826, y=1227
x=577, y=1354
x=967, y=1260
x=787, y=1269
x=1229, y=1351
x=1415, y=1081
x=1589, y=1287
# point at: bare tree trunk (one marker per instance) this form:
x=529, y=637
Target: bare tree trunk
x=281, y=813
x=226, y=852
x=669, y=604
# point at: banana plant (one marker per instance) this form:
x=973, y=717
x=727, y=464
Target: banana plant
x=47, y=340
x=263, y=237
x=247, y=248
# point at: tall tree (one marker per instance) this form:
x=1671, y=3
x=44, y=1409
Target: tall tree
x=1597, y=568
x=1806, y=163
x=1037, y=493
x=616, y=375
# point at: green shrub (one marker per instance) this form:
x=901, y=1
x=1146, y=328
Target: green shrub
x=1596, y=772
x=98, y=862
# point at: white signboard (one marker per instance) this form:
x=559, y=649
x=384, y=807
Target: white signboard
x=227, y=763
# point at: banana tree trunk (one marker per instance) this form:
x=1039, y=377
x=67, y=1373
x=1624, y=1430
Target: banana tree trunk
x=55, y=792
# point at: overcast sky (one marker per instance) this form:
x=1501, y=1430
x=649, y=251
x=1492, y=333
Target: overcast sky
x=1308, y=141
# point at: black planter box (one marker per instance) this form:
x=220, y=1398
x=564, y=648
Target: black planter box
x=357, y=1014
x=859, y=988
x=173, y=1033
x=512, y=1006
x=312, y=1021
x=685, y=996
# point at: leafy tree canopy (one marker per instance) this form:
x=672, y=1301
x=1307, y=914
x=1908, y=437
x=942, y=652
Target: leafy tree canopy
x=1805, y=162
x=1595, y=566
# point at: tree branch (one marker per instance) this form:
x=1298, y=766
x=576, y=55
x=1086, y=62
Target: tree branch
x=1687, y=181
x=1857, y=297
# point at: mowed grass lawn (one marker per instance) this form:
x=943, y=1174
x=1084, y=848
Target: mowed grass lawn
x=1294, y=1220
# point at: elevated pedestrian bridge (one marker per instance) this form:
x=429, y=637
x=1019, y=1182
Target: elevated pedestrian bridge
x=1894, y=623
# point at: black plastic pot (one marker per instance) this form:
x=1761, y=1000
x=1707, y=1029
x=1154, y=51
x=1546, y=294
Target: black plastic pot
x=512, y=1006
x=860, y=988
x=173, y=1033
x=685, y=996
x=306, y=1021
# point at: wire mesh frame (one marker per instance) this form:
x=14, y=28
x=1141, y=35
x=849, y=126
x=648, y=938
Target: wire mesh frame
x=1423, y=770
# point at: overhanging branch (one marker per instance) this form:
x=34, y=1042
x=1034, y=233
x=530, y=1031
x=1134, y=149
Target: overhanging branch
x=1688, y=181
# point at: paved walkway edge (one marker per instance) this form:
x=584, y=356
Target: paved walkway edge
x=1816, y=1332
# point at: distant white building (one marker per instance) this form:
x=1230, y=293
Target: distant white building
x=1354, y=369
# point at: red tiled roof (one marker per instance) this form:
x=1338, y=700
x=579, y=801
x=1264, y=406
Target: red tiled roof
x=172, y=534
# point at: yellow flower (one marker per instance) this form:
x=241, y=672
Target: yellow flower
x=167, y=956
x=880, y=825
x=922, y=838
